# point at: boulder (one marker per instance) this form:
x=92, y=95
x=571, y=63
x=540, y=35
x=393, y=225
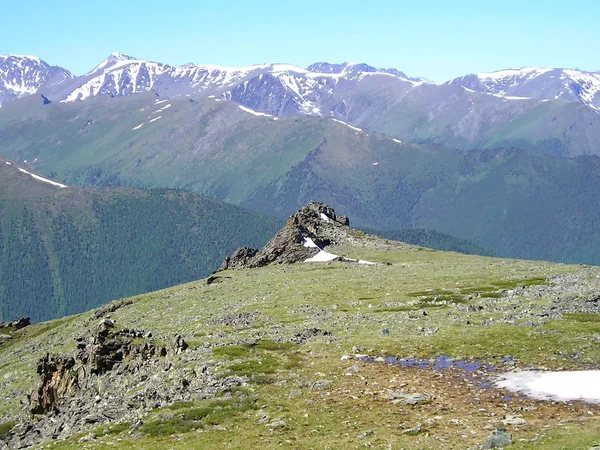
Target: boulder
x=499, y=438
x=17, y=324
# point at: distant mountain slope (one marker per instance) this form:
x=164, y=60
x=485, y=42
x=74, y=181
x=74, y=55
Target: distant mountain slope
x=538, y=83
x=515, y=203
x=547, y=110
x=21, y=76
x=65, y=250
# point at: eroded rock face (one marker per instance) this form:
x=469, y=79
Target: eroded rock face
x=239, y=258
x=58, y=380
x=315, y=221
x=64, y=377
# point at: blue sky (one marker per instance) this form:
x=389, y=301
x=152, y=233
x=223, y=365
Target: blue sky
x=435, y=39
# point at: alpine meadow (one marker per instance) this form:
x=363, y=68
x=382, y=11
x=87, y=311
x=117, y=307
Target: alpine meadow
x=272, y=248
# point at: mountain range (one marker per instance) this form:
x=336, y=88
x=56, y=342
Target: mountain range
x=549, y=110
x=515, y=202
x=317, y=89
x=504, y=160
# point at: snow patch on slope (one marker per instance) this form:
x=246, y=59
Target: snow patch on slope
x=347, y=124
x=562, y=386
x=322, y=256
x=251, y=111
x=45, y=180
x=308, y=242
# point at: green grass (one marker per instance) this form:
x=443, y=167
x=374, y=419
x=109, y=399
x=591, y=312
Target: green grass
x=232, y=351
x=186, y=418
x=5, y=427
x=583, y=317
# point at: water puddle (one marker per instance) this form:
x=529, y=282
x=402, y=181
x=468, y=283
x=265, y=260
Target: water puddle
x=475, y=372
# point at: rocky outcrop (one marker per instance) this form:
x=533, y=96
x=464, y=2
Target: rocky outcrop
x=17, y=324
x=57, y=381
x=64, y=377
x=316, y=223
x=239, y=259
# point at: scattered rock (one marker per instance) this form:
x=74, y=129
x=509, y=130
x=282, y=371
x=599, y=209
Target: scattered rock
x=301, y=338
x=499, y=438
x=320, y=385
x=427, y=331
x=295, y=393
x=408, y=399
x=277, y=424
x=110, y=308
x=412, y=431
x=513, y=420
x=213, y=279
x=414, y=399
x=353, y=369
x=365, y=434
x=87, y=438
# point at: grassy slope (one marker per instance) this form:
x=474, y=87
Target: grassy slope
x=354, y=303
x=64, y=251
x=453, y=117
x=432, y=239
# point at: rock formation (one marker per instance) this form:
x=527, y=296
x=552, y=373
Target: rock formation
x=17, y=324
x=63, y=377
x=315, y=221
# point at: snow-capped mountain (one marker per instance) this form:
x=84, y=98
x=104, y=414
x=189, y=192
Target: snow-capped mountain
x=348, y=68
x=568, y=84
x=25, y=75
x=278, y=89
x=345, y=91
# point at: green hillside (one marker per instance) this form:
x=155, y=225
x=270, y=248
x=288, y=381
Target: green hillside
x=432, y=239
x=457, y=118
x=63, y=251
x=516, y=203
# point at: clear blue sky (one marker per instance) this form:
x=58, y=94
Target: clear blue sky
x=437, y=39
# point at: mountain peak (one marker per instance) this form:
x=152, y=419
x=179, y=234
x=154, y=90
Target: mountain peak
x=120, y=57
x=112, y=59
x=32, y=58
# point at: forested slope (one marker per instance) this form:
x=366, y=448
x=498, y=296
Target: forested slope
x=67, y=250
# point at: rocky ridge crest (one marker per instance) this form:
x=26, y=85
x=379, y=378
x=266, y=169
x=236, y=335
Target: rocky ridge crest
x=315, y=223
